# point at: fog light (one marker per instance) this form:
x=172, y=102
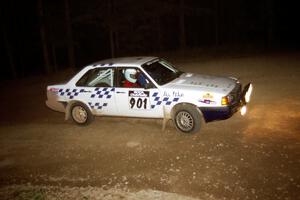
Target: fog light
x=243, y=110
x=224, y=101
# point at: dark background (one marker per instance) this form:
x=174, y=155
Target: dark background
x=44, y=36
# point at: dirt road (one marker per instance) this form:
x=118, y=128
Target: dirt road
x=251, y=157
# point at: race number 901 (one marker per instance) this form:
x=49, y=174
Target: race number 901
x=138, y=103
x=138, y=99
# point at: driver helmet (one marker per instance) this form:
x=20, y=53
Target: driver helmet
x=130, y=75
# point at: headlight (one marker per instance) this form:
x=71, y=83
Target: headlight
x=248, y=94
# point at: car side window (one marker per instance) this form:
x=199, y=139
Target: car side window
x=98, y=77
x=131, y=78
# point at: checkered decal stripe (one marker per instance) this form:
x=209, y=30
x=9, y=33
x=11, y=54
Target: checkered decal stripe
x=97, y=93
x=98, y=106
x=156, y=100
x=102, y=93
x=71, y=93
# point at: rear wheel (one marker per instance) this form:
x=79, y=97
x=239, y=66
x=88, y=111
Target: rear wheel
x=188, y=118
x=81, y=114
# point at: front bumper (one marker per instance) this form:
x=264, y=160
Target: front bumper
x=225, y=112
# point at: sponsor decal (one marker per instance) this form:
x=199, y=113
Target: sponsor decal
x=207, y=101
x=208, y=96
x=195, y=83
x=54, y=90
x=138, y=93
x=173, y=94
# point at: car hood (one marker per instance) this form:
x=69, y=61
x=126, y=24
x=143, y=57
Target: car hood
x=204, y=82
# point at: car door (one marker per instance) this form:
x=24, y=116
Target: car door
x=136, y=101
x=96, y=89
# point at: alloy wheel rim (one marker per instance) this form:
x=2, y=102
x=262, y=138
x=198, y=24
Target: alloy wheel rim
x=185, y=121
x=79, y=114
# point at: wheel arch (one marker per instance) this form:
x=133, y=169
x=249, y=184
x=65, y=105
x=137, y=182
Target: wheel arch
x=181, y=105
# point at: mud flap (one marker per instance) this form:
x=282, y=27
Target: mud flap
x=67, y=112
x=166, y=118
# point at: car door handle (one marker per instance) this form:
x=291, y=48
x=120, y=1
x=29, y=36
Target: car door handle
x=121, y=92
x=86, y=91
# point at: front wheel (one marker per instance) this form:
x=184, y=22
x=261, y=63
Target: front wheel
x=188, y=119
x=81, y=114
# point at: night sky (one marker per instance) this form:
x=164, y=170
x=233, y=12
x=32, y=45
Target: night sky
x=97, y=29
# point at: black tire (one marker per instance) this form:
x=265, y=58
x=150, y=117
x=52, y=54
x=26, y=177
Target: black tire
x=81, y=114
x=188, y=119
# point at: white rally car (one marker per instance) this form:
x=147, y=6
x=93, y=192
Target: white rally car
x=148, y=87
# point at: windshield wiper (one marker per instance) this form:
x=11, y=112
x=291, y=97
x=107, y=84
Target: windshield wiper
x=174, y=76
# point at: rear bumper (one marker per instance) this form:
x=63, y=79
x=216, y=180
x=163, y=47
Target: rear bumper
x=225, y=112
x=54, y=105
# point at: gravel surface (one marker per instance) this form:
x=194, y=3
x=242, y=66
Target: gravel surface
x=252, y=157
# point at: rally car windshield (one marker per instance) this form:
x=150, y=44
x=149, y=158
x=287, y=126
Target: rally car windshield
x=161, y=71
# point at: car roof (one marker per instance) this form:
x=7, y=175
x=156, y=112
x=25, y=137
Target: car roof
x=123, y=61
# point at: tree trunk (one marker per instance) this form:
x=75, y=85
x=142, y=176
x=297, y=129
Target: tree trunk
x=9, y=52
x=117, y=44
x=217, y=42
x=182, y=39
x=43, y=37
x=111, y=29
x=270, y=23
x=159, y=34
x=112, y=43
x=54, y=58
x=70, y=41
